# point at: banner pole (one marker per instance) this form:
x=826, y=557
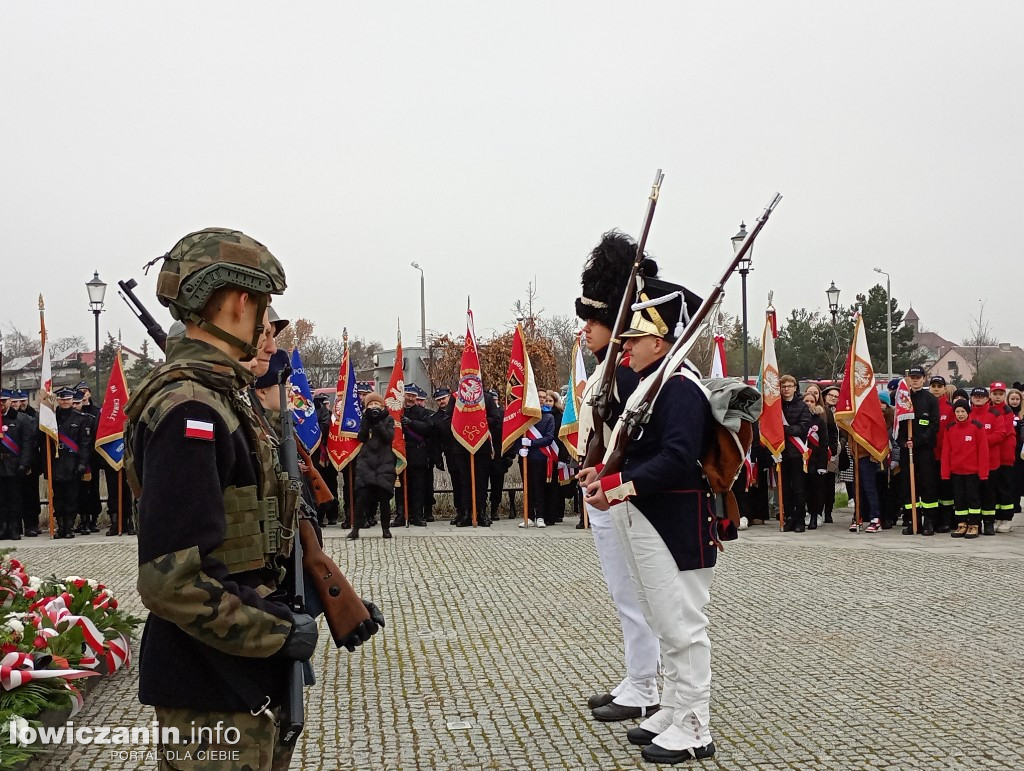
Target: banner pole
x=472, y=483
x=526, y=497
x=778, y=487
x=586, y=517
x=120, y=502
x=351, y=498
x=913, y=485
x=405, y=494
x=856, y=485
x=49, y=479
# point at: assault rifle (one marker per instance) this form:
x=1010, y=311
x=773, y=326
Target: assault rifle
x=139, y=311
x=634, y=416
x=601, y=397
x=293, y=717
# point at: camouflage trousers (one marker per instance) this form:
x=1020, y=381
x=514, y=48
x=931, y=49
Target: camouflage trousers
x=213, y=741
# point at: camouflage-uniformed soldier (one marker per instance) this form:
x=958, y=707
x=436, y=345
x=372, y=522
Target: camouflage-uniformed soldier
x=220, y=638
x=17, y=449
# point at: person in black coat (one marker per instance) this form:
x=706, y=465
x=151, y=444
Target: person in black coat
x=90, y=503
x=926, y=468
x=538, y=467
x=30, y=505
x=375, y=474
x=327, y=512
x=817, y=441
x=797, y=419
x=419, y=474
x=17, y=451
x=459, y=459
x=74, y=439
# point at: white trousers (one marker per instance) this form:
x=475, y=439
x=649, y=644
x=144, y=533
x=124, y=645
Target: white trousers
x=673, y=603
x=640, y=686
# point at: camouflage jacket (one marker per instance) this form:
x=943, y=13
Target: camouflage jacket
x=204, y=475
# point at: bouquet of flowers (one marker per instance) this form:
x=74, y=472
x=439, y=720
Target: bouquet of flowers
x=53, y=632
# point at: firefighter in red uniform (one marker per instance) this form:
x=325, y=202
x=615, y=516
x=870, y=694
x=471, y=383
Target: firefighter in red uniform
x=965, y=466
x=994, y=431
x=1007, y=455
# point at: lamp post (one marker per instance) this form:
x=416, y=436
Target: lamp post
x=97, y=289
x=832, y=293
x=888, y=321
x=744, y=269
x=423, y=307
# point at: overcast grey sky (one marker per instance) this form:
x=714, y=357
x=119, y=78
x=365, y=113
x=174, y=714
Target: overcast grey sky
x=492, y=145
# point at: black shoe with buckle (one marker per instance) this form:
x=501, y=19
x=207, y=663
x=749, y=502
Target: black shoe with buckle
x=613, y=713
x=599, y=700
x=652, y=753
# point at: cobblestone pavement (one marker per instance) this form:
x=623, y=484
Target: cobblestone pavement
x=831, y=651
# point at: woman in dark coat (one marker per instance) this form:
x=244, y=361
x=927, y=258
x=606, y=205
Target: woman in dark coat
x=375, y=473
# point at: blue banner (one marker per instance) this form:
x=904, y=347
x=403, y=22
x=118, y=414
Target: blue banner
x=300, y=400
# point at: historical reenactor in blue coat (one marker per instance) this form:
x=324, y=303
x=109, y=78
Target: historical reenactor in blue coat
x=668, y=526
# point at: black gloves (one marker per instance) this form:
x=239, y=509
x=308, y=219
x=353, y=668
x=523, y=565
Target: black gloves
x=366, y=629
x=301, y=640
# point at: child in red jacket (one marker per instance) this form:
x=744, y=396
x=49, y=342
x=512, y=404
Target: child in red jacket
x=965, y=462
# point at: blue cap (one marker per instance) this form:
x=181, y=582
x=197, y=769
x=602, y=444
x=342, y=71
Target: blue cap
x=19, y=395
x=64, y=393
x=439, y=392
x=893, y=384
x=83, y=386
x=362, y=387
x=78, y=397
x=278, y=364
x=6, y=393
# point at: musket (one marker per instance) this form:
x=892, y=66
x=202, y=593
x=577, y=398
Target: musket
x=601, y=396
x=293, y=717
x=139, y=310
x=635, y=416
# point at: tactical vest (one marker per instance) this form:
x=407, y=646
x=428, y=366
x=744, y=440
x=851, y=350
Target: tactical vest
x=259, y=518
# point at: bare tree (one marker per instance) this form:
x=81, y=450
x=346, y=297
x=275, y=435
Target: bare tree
x=982, y=341
x=18, y=343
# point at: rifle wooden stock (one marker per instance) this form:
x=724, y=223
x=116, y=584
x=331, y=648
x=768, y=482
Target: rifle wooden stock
x=603, y=394
x=343, y=608
x=316, y=482
x=651, y=386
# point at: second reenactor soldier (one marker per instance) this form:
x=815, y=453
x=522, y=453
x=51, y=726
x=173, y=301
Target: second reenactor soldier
x=668, y=528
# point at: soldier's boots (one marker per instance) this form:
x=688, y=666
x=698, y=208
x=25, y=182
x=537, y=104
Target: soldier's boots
x=14, y=528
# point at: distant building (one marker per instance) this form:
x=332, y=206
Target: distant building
x=951, y=360
x=66, y=367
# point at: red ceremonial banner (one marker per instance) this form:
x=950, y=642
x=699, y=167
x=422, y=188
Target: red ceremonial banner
x=394, y=400
x=469, y=423
x=522, y=402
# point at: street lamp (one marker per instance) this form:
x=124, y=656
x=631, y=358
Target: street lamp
x=97, y=289
x=744, y=269
x=888, y=320
x=423, y=308
x=832, y=293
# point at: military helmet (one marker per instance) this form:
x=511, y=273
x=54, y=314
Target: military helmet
x=204, y=261
x=207, y=260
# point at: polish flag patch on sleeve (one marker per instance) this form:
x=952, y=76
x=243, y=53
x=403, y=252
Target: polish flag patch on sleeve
x=199, y=429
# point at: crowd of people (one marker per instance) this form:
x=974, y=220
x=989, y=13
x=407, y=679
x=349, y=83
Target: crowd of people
x=966, y=445
x=368, y=490
x=74, y=469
